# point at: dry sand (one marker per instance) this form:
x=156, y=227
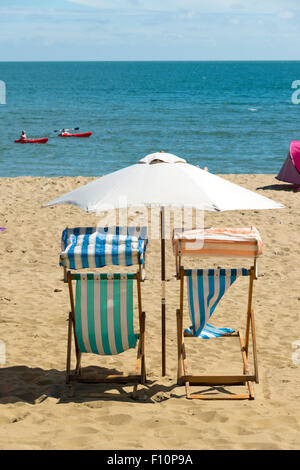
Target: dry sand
x=37, y=410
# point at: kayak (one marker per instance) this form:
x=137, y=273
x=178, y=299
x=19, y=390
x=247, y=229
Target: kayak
x=32, y=141
x=83, y=134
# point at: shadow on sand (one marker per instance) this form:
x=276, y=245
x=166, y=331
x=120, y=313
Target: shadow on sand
x=280, y=187
x=35, y=385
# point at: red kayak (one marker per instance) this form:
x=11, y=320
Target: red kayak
x=83, y=134
x=32, y=141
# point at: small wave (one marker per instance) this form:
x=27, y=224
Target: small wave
x=253, y=110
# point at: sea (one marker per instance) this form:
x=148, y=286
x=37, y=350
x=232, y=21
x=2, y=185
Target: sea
x=233, y=117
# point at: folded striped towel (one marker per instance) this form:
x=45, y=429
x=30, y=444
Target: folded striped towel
x=240, y=242
x=94, y=247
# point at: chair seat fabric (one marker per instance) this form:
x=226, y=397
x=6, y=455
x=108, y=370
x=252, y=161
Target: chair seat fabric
x=206, y=288
x=104, y=313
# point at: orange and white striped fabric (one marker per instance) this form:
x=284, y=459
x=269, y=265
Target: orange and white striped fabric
x=231, y=242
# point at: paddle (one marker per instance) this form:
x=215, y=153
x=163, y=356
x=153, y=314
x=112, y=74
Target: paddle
x=73, y=129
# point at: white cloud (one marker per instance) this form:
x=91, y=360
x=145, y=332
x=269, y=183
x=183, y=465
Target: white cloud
x=200, y=6
x=31, y=12
x=285, y=15
x=234, y=20
x=158, y=5
x=103, y=4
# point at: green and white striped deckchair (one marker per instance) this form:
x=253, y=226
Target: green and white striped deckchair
x=101, y=318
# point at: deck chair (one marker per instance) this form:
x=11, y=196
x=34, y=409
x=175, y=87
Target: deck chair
x=97, y=247
x=205, y=289
x=101, y=321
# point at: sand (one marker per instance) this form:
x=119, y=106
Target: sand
x=37, y=410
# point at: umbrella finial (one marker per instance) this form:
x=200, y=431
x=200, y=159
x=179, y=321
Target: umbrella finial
x=157, y=157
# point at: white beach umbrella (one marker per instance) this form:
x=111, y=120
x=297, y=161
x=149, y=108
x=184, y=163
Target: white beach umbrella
x=164, y=180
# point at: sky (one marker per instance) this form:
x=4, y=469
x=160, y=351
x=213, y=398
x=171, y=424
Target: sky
x=35, y=30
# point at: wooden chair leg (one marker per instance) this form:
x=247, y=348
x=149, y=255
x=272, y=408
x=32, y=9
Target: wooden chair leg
x=68, y=368
x=143, y=363
x=140, y=369
x=179, y=348
x=253, y=331
x=78, y=363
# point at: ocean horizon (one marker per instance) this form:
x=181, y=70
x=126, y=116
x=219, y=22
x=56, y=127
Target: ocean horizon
x=231, y=116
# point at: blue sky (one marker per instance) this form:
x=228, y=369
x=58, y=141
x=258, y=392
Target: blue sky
x=149, y=30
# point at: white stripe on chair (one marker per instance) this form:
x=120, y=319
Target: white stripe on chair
x=84, y=322
x=206, y=290
x=216, y=290
x=123, y=311
x=121, y=254
x=97, y=313
x=110, y=314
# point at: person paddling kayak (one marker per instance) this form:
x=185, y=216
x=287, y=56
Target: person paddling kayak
x=65, y=132
x=23, y=136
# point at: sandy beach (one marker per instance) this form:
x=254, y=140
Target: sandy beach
x=37, y=410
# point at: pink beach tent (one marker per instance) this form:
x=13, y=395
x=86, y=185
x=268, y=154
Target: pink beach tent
x=290, y=170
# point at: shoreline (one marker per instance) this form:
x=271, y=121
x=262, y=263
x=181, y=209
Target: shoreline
x=98, y=176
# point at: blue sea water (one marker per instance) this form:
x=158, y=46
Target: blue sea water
x=233, y=117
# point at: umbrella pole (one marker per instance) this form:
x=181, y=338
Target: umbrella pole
x=163, y=296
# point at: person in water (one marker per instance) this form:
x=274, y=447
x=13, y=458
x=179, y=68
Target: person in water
x=23, y=135
x=204, y=168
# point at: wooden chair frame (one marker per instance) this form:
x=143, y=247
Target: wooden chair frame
x=246, y=378
x=76, y=376
x=141, y=269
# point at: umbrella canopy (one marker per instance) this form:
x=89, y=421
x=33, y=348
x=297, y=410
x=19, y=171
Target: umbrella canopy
x=162, y=180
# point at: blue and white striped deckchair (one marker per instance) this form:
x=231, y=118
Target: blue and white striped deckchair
x=96, y=247
x=206, y=288
x=102, y=319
